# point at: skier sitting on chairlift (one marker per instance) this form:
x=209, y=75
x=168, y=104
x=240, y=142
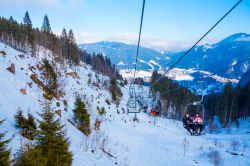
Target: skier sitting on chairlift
x=154, y=111
x=198, y=122
x=188, y=123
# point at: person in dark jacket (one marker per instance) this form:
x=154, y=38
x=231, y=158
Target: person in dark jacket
x=188, y=123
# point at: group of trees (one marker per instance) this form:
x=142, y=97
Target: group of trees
x=229, y=105
x=172, y=103
x=51, y=146
x=27, y=126
x=28, y=39
x=100, y=64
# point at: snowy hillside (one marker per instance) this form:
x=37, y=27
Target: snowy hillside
x=120, y=141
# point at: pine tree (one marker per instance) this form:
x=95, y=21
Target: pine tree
x=52, y=141
x=64, y=35
x=81, y=116
x=27, y=21
x=71, y=37
x=4, y=152
x=28, y=32
x=51, y=79
x=73, y=50
x=125, y=82
x=115, y=91
x=46, y=25
x=11, y=19
x=20, y=119
x=46, y=35
x=31, y=127
x=65, y=45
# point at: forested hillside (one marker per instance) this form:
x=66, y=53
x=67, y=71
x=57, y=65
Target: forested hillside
x=28, y=39
x=232, y=104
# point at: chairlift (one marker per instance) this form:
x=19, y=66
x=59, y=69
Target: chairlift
x=132, y=105
x=194, y=108
x=155, y=105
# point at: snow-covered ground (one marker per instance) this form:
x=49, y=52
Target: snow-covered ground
x=125, y=142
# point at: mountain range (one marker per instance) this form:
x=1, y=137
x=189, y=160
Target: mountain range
x=206, y=63
x=123, y=55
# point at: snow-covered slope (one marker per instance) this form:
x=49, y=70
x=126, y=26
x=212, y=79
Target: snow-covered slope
x=120, y=141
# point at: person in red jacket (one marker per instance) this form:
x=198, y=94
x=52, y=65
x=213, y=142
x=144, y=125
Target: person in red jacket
x=198, y=122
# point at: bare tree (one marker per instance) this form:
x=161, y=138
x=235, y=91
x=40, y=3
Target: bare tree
x=244, y=146
x=235, y=145
x=215, y=157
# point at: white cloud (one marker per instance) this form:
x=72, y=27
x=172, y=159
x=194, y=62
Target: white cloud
x=130, y=38
x=88, y=37
x=146, y=41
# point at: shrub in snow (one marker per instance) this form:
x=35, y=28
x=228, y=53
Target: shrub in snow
x=58, y=104
x=235, y=145
x=125, y=82
x=98, y=140
x=244, y=147
x=26, y=125
x=215, y=157
x=123, y=111
x=107, y=101
x=3, y=53
x=65, y=103
x=101, y=111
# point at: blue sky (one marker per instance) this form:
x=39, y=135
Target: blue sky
x=168, y=24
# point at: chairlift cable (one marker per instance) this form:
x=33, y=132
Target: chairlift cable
x=139, y=39
x=133, y=96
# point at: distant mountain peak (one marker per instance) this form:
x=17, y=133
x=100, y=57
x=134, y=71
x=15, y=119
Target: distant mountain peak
x=238, y=37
